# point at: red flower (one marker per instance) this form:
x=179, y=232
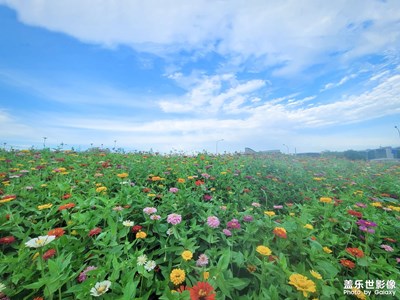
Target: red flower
x=390, y=240
x=355, y=252
x=56, y=232
x=280, y=231
x=95, y=231
x=7, y=240
x=354, y=213
x=347, y=263
x=66, y=196
x=136, y=228
x=198, y=182
x=202, y=291
x=49, y=254
x=66, y=206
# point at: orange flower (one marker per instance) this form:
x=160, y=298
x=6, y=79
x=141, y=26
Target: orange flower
x=347, y=263
x=280, y=231
x=123, y=175
x=202, y=291
x=7, y=198
x=355, y=252
x=66, y=206
x=56, y=232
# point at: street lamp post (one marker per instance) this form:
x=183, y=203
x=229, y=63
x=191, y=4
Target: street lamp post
x=216, y=145
x=44, y=142
x=397, y=130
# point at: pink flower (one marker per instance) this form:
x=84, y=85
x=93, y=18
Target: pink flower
x=387, y=248
x=213, y=222
x=247, y=218
x=173, y=190
x=149, y=210
x=155, y=217
x=256, y=204
x=174, y=219
x=278, y=206
x=202, y=260
x=227, y=232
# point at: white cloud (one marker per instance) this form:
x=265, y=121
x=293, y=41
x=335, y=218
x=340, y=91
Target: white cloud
x=289, y=35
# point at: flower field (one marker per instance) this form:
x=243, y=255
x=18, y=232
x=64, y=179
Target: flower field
x=147, y=226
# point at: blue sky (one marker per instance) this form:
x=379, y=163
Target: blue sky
x=182, y=75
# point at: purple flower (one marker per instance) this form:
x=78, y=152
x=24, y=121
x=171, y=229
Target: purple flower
x=82, y=276
x=247, y=218
x=173, y=190
x=174, y=219
x=227, y=232
x=205, y=175
x=213, y=222
x=233, y=224
x=366, y=223
x=366, y=229
x=278, y=206
x=202, y=260
x=359, y=204
x=149, y=210
x=398, y=260
x=387, y=248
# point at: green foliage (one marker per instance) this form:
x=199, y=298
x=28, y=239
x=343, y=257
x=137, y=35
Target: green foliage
x=107, y=189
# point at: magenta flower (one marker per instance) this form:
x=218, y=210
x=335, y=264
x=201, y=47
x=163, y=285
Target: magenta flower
x=233, y=224
x=202, y=260
x=278, y=206
x=174, y=219
x=207, y=197
x=83, y=276
x=227, y=232
x=213, y=222
x=247, y=218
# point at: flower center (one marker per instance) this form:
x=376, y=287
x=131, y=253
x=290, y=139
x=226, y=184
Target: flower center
x=202, y=293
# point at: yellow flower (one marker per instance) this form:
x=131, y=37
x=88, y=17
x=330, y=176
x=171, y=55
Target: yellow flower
x=74, y=232
x=291, y=214
x=181, y=180
x=263, y=250
x=308, y=226
x=376, y=204
x=187, y=255
x=302, y=284
x=327, y=250
x=223, y=173
x=43, y=185
x=269, y=213
x=177, y=276
x=151, y=195
x=318, y=178
x=315, y=274
x=141, y=235
x=395, y=208
x=123, y=175
x=45, y=206
x=206, y=275
x=6, y=183
x=325, y=200
x=101, y=189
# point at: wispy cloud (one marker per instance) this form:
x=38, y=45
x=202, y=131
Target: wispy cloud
x=239, y=30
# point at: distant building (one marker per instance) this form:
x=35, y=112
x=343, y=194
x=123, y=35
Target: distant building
x=251, y=151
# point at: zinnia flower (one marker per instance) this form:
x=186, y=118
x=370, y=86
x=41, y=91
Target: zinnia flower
x=136, y=228
x=187, y=255
x=347, y=263
x=57, y=232
x=213, y=222
x=263, y=250
x=44, y=206
x=227, y=232
x=280, y=231
x=309, y=226
x=202, y=291
x=101, y=189
x=150, y=265
x=141, y=235
x=177, y=276
x=149, y=210
x=355, y=252
x=7, y=198
x=173, y=190
x=315, y=274
x=302, y=284
x=49, y=254
x=95, y=231
x=269, y=213
x=123, y=175
x=128, y=223
x=174, y=219
x=355, y=213
x=7, y=240
x=66, y=206
x=387, y=248
x=141, y=260
x=83, y=275
x=325, y=200
x=202, y=260
x=233, y=224
x=100, y=288
x=248, y=218
x=40, y=241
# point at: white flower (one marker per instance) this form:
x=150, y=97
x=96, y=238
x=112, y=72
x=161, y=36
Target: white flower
x=141, y=260
x=40, y=241
x=150, y=265
x=128, y=223
x=100, y=288
x=169, y=231
x=155, y=217
x=2, y=287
